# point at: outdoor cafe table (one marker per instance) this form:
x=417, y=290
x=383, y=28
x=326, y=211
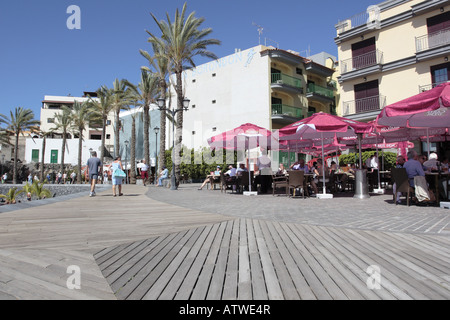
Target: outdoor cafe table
x=436, y=176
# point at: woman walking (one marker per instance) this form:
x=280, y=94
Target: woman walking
x=117, y=179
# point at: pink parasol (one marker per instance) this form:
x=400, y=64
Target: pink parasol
x=427, y=109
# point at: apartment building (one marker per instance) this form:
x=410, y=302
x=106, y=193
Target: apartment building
x=266, y=86
x=394, y=50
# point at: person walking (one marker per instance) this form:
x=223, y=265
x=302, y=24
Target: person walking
x=144, y=172
x=93, y=167
x=116, y=180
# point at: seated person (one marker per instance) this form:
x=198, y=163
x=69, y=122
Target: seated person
x=281, y=170
x=241, y=169
x=210, y=179
x=163, y=175
x=432, y=163
x=300, y=165
x=414, y=168
x=230, y=174
x=444, y=164
x=318, y=174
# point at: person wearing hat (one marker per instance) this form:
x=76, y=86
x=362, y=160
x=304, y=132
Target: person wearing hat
x=211, y=177
x=164, y=175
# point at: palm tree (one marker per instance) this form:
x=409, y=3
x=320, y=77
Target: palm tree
x=182, y=40
x=118, y=103
x=161, y=65
x=44, y=135
x=40, y=191
x=63, y=123
x=146, y=92
x=101, y=108
x=20, y=120
x=80, y=119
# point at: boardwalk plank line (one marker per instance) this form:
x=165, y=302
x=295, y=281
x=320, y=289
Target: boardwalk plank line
x=300, y=283
x=403, y=290
x=138, y=285
x=273, y=286
x=414, y=276
x=218, y=276
x=305, y=262
x=181, y=267
x=131, y=268
x=110, y=265
x=190, y=281
x=200, y=291
x=244, y=275
x=355, y=287
x=259, y=288
x=331, y=265
x=440, y=246
x=313, y=257
x=348, y=256
x=284, y=278
x=230, y=285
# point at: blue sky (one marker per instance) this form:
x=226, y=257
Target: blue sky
x=40, y=56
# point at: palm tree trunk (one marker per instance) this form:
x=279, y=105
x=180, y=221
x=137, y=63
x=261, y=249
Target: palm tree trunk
x=133, y=152
x=102, y=152
x=116, y=133
x=162, y=131
x=80, y=145
x=179, y=131
x=44, y=142
x=147, y=134
x=63, y=151
x=16, y=154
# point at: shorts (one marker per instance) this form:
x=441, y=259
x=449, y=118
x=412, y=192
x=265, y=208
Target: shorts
x=93, y=176
x=144, y=174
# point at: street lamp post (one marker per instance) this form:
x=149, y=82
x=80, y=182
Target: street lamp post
x=173, y=112
x=126, y=161
x=3, y=163
x=156, y=129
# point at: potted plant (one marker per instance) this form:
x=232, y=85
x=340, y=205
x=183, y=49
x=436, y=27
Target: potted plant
x=11, y=196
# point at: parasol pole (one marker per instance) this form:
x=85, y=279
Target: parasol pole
x=428, y=143
x=379, y=190
x=324, y=195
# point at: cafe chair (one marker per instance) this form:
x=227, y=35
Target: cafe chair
x=400, y=178
x=297, y=181
x=280, y=182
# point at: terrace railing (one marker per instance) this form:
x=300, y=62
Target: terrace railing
x=433, y=40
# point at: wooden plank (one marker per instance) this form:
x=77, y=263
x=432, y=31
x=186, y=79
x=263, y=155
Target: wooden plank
x=218, y=276
x=244, y=273
x=274, y=290
x=259, y=289
x=201, y=288
x=230, y=286
x=191, y=279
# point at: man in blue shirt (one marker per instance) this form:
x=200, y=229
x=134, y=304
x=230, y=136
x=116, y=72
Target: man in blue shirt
x=413, y=167
x=94, y=165
x=164, y=175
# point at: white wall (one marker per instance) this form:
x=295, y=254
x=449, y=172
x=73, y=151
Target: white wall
x=71, y=153
x=241, y=89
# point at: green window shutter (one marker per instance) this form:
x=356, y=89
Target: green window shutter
x=35, y=155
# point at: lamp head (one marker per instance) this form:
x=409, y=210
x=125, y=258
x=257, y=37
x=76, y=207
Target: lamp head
x=161, y=103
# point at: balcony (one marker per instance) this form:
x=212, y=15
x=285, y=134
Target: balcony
x=433, y=45
x=362, y=65
x=367, y=105
x=286, y=83
x=320, y=94
x=430, y=86
x=286, y=114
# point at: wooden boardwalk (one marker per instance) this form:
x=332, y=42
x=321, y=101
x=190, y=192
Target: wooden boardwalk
x=135, y=248
x=247, y=259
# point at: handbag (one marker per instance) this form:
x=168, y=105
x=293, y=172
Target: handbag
x=119, y=173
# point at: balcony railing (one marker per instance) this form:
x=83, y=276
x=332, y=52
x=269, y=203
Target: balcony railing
x=362, y=61
x=433, y=40
x=430, y=86
x=284, y=79
x=322, y=91
x=285, y=110
x=364, y=105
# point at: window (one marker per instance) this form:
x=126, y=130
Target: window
x=213, y=75
x=108, y=136
x=50, y=120
x=214, y=102
x=193, y=80
x=35, y=155
x=364, y=54
x=440, y=73
x=108, y=122
x=367, y=96
x=298, y=71
x=438, y=23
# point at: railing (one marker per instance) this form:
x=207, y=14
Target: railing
x=433, y=40
x=364, y=105
x=322, y=91
x=430, y=86
x=370, y=18
x=282, y=109
x=280, y=78
x=362, y=61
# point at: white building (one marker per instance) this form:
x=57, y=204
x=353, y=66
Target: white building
x=268, y=87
